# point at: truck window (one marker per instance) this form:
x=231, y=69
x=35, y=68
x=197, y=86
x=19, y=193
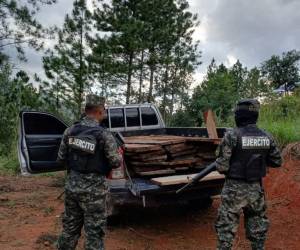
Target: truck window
x=132, y=117
x=148, y=116
x=117, y=118
x=105, y=123
x=42, y=124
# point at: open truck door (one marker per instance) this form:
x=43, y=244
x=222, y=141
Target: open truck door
x=40, y=135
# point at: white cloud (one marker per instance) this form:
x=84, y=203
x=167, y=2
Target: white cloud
x=230, y=60
x=250, y=31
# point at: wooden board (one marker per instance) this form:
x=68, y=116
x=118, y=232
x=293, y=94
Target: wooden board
x=210, y=124
x=182, y=179
x=154, y=142
x=190, y=152
x=174, y=163
x=178, y=147
x=144, y=158
x=203, y=139
x=142, y=148
x=145, y=154
x=157, y=172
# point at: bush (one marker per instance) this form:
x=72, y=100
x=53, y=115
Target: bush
x=182, y=118
x=284, y=132
x=9, y=164
x=281, y=118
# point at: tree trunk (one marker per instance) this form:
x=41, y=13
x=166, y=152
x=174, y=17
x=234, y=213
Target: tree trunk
x=57, y=98
x=128, y=92
x=149, y=98
x=80, y=94
x=181, y=98
x=141, y=77
x=173, y=94
x=164, y=101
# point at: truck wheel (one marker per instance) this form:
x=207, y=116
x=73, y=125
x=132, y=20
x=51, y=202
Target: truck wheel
x=203, y=203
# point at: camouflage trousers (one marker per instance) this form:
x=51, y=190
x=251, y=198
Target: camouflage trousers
x=83, y=210
x=240, y=196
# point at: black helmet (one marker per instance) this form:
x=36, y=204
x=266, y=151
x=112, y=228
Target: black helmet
x=246, y=112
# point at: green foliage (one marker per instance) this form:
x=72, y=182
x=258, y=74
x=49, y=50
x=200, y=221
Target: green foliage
x=9, y=164
x=148, y=40
x=15, y=94
x=182, y=118
x=282, y=70
x=18, y=24
x=217, y=92
x=281, y=118
x=223, y=87
x=67, y=65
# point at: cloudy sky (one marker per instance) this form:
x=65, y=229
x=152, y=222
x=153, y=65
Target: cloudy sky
x=248, y=30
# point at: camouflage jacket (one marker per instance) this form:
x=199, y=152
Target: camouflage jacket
x=229, y=142
x=86, y=180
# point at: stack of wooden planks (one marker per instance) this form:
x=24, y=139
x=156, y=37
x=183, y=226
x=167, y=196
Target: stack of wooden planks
x=167, y=154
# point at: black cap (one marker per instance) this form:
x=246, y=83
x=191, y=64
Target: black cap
x=251, y=105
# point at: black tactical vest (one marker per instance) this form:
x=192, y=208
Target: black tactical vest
x=86, y=152
x=248, y=161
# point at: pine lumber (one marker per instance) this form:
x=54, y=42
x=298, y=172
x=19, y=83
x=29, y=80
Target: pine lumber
x=174, y=163
x=178, y=147
x=211, y=124
x=182, y=179
x=146, y=158
x=154, y=153
x=157, y=172
x=203, y=139
x=156, y=140
x=190, y=152
x=142, y=148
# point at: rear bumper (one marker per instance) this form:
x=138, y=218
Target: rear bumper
x=158, y=196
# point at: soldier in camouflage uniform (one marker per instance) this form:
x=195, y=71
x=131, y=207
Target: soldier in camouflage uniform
x=243, y=156
x=89, y=152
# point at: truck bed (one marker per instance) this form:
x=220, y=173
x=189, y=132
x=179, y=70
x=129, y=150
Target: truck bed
x=169, y=151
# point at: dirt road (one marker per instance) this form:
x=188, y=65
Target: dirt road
x=30, y=218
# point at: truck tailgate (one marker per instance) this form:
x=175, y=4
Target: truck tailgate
x=183, y=179
x=169, y=184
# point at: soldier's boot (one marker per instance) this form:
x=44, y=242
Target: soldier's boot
x=67, y=243
x=94, y=243
x=258, y=245
x=223, y=245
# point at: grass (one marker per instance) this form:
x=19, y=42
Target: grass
x=9, y=164
x=281, y=118
x=284, y=131
x=278, y=116
x=48, y=210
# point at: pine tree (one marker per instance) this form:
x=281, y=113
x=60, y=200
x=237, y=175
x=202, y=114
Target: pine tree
x=150, y=45
x=16, y=93
x=284, y=69
x=179, y=57
x=67, y=64
x=121, y=19
x=19, y=26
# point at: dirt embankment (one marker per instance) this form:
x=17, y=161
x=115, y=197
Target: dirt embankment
x=30, y=218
